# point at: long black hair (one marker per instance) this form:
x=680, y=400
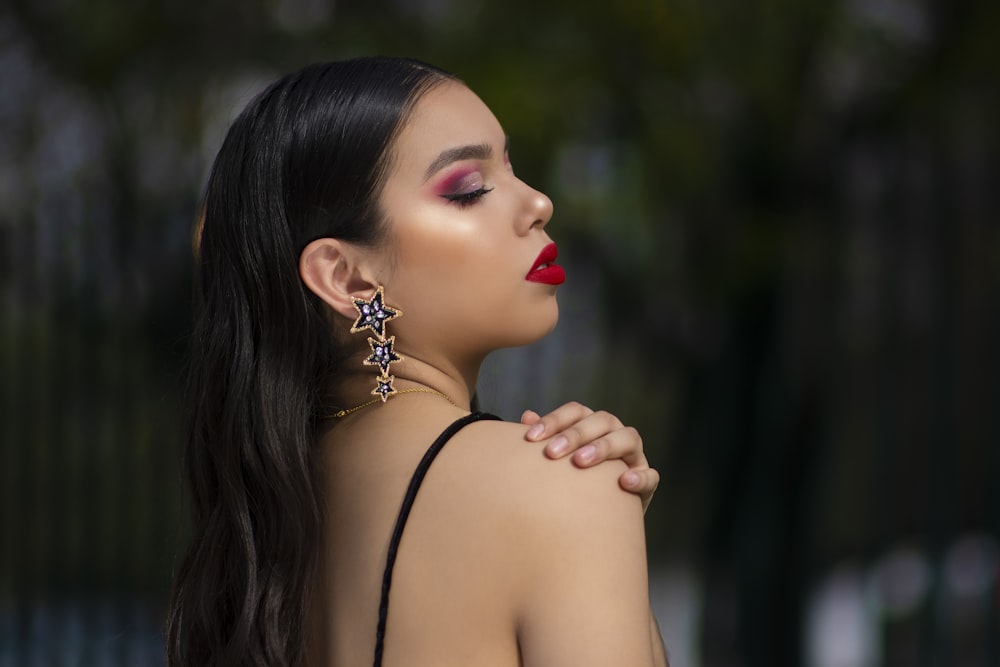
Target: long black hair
x=305, y=160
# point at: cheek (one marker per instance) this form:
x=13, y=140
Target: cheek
x=443, y=252
x=460, y=281
x=439, y=274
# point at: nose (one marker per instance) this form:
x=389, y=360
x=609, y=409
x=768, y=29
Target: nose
x=536, y=212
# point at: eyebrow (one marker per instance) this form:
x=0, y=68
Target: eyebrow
x=470, y=152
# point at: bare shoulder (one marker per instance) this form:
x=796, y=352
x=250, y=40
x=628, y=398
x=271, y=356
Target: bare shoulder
x=507, y=471
x=541, y=549
x=570, y=543
x=531, y=507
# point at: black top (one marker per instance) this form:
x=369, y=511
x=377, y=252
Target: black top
x=404, y=512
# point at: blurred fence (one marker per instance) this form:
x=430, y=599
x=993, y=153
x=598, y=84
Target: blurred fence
x=91, y=509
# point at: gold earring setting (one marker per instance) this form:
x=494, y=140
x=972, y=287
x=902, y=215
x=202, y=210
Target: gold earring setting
x=373, y=314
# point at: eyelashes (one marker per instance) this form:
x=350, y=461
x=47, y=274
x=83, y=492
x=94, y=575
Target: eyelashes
x=463, y=199
x=466, y=186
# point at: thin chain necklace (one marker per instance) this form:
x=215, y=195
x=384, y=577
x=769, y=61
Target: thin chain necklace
x=418, y=390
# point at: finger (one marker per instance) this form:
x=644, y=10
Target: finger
x=586, y=431
x=557, y=420
x=623, y=443
x=642, y=482
x=529, y=417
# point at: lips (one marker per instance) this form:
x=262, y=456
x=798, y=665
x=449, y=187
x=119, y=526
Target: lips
x=544, y=270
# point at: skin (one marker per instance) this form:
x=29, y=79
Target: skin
x=509, y=558
x=592, y=438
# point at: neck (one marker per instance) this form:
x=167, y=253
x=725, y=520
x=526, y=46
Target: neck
x=410, y=374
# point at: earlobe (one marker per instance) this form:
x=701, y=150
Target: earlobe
x=331, y=269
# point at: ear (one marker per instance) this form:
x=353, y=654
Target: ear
x=335, y=271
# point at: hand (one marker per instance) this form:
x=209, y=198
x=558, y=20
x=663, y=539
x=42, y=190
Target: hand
x=593, y=437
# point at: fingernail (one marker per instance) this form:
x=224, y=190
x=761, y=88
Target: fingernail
x=631, y=479
x=587, y=454
x=536, y=431
x=558, y=445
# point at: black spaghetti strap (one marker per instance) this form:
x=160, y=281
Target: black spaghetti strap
x=404, y=513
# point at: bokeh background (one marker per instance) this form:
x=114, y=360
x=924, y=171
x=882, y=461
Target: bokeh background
x=779, y=219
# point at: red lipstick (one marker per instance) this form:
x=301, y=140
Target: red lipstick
x=544, y=270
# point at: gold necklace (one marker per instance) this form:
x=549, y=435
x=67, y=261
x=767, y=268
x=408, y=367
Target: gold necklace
x=418, y=390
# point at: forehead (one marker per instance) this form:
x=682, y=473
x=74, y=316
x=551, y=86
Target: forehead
x=447, y=116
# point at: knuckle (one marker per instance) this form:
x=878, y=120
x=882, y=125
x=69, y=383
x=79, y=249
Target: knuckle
x=610, y=419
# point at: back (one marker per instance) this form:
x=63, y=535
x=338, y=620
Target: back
x=466, y=566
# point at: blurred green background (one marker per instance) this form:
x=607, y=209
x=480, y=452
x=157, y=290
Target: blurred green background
x=779, y=219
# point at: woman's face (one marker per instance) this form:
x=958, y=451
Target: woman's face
x=464, y=232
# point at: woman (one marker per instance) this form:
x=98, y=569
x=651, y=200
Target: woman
x=365, y=245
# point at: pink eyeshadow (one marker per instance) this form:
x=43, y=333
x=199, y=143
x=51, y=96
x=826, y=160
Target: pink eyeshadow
x=451, y=183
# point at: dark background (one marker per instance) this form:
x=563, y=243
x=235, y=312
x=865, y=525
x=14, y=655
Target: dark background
x=779, y=219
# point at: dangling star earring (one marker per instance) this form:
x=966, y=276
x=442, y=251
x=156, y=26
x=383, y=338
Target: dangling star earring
x=373, y=314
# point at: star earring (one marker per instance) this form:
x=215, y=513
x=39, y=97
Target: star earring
x=373, y=315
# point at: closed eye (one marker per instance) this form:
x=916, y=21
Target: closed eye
x=464, y=199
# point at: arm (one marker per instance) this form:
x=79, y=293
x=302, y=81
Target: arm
x=592, y=437
x=585, y=598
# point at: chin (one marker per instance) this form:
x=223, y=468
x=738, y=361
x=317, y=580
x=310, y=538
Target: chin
x=551, y=326
x=521, y=326
x=539, y=329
